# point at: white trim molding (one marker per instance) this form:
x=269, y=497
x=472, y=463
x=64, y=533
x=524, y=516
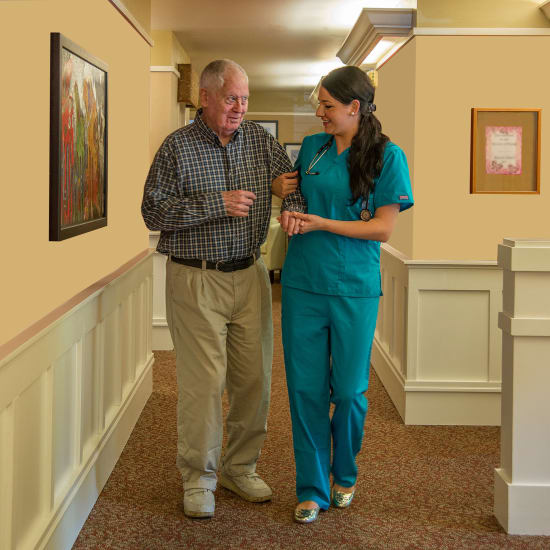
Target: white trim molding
x=486, y=31
x=437, y=346
x=164, y=69
x=71, y=392
x=125, y=12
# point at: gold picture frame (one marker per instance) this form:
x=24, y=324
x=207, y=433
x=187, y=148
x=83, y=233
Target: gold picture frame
x=505, y=151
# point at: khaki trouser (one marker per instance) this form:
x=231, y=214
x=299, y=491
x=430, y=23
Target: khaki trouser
x=222, y=330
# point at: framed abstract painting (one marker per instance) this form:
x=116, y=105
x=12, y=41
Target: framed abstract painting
x=78, y=140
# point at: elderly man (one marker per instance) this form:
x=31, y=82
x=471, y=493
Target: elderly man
x=209, y=193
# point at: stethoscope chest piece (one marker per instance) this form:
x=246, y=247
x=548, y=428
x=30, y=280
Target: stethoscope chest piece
x=365, y=215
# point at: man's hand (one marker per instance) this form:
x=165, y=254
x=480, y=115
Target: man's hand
x=238, y=203
x=290, y=224
x=285, y=184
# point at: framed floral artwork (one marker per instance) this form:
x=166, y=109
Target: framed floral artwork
x=78, y=140
x=505, y=151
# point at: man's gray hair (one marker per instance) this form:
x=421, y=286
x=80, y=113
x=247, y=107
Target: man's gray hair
x=213, y=75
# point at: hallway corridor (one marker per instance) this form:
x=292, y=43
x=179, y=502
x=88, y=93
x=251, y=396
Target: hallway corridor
x=419, y=487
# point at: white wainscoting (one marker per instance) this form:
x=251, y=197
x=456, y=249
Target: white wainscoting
x=69, y=398
x=161, y=334
x=437, y=346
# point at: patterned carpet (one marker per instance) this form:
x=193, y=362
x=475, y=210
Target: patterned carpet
x=419, y=487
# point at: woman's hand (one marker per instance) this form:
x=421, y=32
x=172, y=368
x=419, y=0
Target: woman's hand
x=289, y=222
x=309, y=222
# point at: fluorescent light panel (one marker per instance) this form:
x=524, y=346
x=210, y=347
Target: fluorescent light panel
x=372, y=27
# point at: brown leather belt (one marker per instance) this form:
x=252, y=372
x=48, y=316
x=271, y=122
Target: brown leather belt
x=221, y=265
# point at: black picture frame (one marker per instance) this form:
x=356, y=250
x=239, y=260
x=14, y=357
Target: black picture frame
x=292, y=149
x=272, y=126
x=78, y=140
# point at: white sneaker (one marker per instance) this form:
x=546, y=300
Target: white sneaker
x=198, y=503
x=251, y=487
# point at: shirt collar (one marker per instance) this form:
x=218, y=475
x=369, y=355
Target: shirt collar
x=210, y=134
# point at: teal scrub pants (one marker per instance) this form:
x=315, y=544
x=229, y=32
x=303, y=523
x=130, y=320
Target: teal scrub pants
x=327, y=345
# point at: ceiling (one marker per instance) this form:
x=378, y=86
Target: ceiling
x=282, y=44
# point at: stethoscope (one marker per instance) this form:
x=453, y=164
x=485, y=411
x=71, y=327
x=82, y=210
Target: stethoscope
x=318, y=156
x=365, y=213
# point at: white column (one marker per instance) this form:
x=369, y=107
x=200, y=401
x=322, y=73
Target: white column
x=522, y=483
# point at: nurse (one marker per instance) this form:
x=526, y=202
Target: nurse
x=355, y=182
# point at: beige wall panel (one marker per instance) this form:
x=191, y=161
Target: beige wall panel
x=165, y=110
x=480, y=13
x=281, y=101
x=49, y=273
x=127, y=358
x=167, y=50
x=437, y=345
x=454, y=74
x=533, y=295
x=89, y=394
x=6, y=475
x=528, y=353
x=65, y=420
x=141, y=10
x=51, y=395
x=30, y=465
x=144, y=315
x=161, y=53
x=454, y=336
x=395, y=108
x=112, y=384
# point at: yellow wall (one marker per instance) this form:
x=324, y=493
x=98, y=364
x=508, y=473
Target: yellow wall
x=294, y=101
x=454, y=74
x=395, y=108
x=38, y=275
x=167, y=50
x=141, y=10
x=167, y=115
x=480, y=13
x=291, y=129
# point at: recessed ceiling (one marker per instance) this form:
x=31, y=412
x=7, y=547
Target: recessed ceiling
x=282, y=44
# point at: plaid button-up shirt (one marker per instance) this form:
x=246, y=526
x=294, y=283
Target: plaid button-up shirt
x=182, y=196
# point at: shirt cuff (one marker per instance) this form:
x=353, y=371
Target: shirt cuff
x=215, y=206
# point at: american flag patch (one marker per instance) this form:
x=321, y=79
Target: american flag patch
x=403, y=197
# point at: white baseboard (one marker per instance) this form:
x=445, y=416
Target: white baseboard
x=521, y=509
x=161, y=338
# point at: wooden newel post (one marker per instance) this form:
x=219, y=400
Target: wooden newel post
x=522, y=483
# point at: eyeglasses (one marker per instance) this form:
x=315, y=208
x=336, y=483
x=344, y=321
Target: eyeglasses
x=231, y=100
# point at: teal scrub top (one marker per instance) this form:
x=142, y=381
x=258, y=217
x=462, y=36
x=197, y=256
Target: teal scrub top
x=327, y=263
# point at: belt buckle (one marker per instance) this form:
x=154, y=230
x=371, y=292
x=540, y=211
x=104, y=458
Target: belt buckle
x=218, y=264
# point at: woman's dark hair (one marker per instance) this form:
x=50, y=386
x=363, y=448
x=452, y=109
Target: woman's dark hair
x=367, y=146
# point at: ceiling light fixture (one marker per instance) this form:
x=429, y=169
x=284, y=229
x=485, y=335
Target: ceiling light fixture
x=377, y=34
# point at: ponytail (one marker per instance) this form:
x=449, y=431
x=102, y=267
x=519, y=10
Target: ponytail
x=366, y=155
